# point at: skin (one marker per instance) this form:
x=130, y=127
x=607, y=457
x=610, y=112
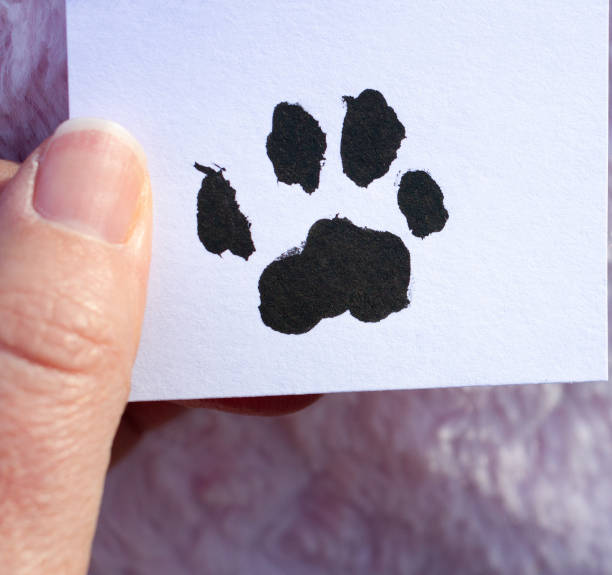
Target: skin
x=491, y=480
x=71, y=309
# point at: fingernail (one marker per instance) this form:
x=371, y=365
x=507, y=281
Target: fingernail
x=90, y=178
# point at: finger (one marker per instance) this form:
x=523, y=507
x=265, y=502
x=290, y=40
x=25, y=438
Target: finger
x=75, y=230
x=266, y=405
x=140, y=417
x=137, y=419
x=7, y=171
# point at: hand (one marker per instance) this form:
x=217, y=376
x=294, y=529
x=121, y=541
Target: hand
x=75, y=241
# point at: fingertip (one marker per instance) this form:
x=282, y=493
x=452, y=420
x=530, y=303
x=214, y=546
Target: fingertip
x=91, y=178
x=113, y=129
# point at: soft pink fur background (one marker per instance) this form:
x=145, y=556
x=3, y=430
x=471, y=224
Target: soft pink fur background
x=512, y=480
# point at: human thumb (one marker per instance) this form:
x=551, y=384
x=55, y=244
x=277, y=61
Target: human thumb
x=75, y=232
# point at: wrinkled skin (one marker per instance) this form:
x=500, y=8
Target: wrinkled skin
x=489, y=480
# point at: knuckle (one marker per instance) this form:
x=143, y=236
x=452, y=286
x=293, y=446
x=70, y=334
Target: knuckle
x=55, y=331
x=30, y=460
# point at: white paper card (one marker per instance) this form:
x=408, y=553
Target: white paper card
x=503, y=103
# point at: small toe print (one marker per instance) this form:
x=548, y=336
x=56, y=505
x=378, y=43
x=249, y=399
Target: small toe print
x=421, y=201
x=371, y=136
x=296, y=146
x=221, y=224
x=341, y=267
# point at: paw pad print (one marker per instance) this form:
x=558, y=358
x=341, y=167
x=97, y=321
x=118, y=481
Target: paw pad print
x=340, y=267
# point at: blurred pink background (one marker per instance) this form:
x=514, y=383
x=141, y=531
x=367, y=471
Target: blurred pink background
x=466, y=481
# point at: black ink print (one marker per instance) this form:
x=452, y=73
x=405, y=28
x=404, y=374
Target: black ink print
x=341, y=267
x=421, y=200
x=296, y=146
x=371, y=137
x=221, y=224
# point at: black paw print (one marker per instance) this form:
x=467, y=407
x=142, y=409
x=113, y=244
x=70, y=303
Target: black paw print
x=340, y=266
